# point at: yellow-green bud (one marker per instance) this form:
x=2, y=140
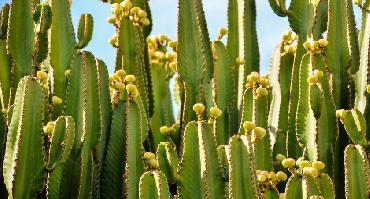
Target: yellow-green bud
x=112, y=20
x=130, y=78
x=262, y=91
x=281, y=176
x=254, y=77
x=262, y=178
x=119, y=86
x=307, y=45
x=273, y=176
x=288, y=163
x=67, y=73
x=315, y=44
x=49, y=127
x=145, y=21
x=198, y=108
x=304, y=164
x=259, y=132
x=173, y=66
x=116, y=77
x=318, y=73
x=149, y=155
x=160, y=55
x=312, y=80
x=142, y=14
x=299, y=160
x=42, y=75
x=132, y=90
x=153, y=163
x=368, y=89
x=56, y=100
x=222, y=31
x=126, y=4
x=263, y=81
x=323, y=42
x=116, y=9
x=249, y=126
x=306, y=171
x=280, y=157
x=113, y=40
x=121, y=73
x=339, y=113
x=172, y=44
x=215, y=112
x=318, y=165
x=134, y=10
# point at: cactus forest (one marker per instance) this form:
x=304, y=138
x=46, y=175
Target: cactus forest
x=69, y=129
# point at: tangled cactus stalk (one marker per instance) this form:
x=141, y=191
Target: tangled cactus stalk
x=68, y=129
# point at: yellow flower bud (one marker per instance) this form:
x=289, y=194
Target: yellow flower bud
x=42, y=75
x=263, y=81
x=323, y=42
x=340, y=113
x=273, y=176
x=173, y=66
x=215, y=112
x=113, y=40
x=130, y=78
x=198, y=108
x=145, y=21
x=172, y=44
x=254, y=77
x=281, y=176
x=153, y=163
x=368, y=89
x=306, y=171
x=307, y=45
x=314, y=172
x=262, y=91
x=116, y=9
x=312, y=80
x=126, y=4
x=121, y=73
x=299, y=160
x=67, y=73
x=112, y=20
x=280, y=157
x=262, y=178
x=116, y=77
x=56, y=100
x=134, y=10
x=318, y=165
x=132, y=90
x=149, y=155
x=119, y=86
x=304, y=164
x=48, y=129
x=259, y=132
x=318, y=73
x=142, y=14
x=288, y=163
x=249, y=126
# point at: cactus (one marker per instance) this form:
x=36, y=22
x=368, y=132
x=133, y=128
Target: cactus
x=69, y=129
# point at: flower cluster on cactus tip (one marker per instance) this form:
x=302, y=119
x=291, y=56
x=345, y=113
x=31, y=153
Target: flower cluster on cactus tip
x=313, y=46
x=126, y=9
x=303, y=167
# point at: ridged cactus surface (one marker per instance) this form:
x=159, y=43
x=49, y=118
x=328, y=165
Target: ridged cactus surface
x=69, y=129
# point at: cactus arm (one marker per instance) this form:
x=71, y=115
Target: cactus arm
x=24, y=173
x=154, y=185
x=281, y=74
x=306, y=123
x=163, y=113
x=105, y=108
x=61, y=142
x=195, y=64
x=168, y=161
x=242, y=176
x=85, y=30
x=356, y=172
x=5, y=65
x=247, y=109
x=233, y=37
x=199, y=163
x=113, y=169
x=62, y=46
x=131, y=44
x=42, y=17
x=294, y=187
x=262, y=148
x=222, y=152
x=352, y=38
x=251, y=49
x=321, y=19
x=278, y=6
x=20, y=40
x=225, y=95
x=59, y=152
x=355, y=124
x=134, y=162
x=310, y=187
x=301, y=17
x=86, y=176
x=361, y=77
x=326, y=186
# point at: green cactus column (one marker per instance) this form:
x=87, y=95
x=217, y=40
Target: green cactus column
x=24, y=173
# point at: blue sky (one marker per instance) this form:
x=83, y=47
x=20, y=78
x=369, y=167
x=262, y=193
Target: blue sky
x=269, y=26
